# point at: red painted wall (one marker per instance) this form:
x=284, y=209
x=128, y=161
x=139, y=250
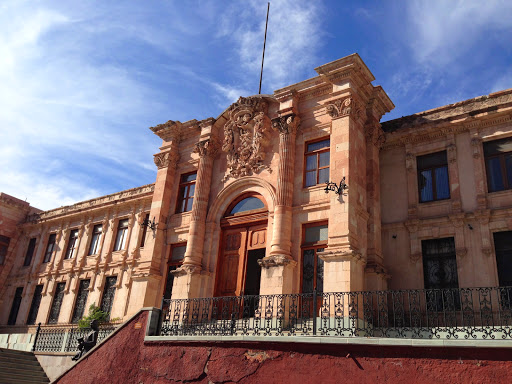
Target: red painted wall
x=126, y=359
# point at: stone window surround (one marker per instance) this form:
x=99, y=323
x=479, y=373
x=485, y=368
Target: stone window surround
x=411, y=153
x=322, y=150
x=480, y=139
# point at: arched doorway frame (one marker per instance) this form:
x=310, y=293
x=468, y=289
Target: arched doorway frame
x=221, y=203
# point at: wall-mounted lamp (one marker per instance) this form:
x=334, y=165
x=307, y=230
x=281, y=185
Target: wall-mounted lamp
x=470, y=227
x=150, y=224
x=338, y=189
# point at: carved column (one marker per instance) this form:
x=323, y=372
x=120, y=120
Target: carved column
x=207, y=150
x=186, y=282
x=276, y=275
x=147, y=275
x=479, y=169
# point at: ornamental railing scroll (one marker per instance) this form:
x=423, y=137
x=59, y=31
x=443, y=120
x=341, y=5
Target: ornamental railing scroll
x=463, y=313
x=65, y=338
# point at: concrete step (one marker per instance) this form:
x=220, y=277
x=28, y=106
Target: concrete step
x=18, y=378
x=18, y=360
x=21, y=369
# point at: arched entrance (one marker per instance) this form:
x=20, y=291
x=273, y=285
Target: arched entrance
x=243, y=243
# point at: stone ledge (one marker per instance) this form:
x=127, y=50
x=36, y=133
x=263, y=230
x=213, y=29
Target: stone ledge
x=392, y=342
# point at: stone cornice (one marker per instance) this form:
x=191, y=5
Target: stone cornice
x=99, y=202
x=479, y=112
x=169, y=131
x=13, y=201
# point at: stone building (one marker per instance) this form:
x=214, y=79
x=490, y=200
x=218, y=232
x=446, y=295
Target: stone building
x=240, y=206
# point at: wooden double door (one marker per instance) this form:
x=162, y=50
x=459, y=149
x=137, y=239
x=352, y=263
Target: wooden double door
x=238, y=271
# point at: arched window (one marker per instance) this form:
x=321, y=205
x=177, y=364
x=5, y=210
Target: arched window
x=248, y=204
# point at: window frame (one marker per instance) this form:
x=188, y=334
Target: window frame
x=507, y=184
x=48, y=253
x=432, y=169
x=144, y=231
x=29, y=255
x=121, y=246
x=97, y=243
x=317, y=154
x=72, y=245
x=185, y=186
x=315, y=246
x=4, y=248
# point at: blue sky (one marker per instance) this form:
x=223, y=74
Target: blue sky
x=81, y=82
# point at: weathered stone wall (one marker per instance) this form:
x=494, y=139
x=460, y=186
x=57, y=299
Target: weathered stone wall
x=125, y=358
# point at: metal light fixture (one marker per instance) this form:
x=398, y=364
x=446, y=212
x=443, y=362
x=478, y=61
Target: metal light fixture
x=150, y=224
x=338, y=189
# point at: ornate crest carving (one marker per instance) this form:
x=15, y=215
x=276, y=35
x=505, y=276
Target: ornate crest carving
x=246, y=136
x=166, y=159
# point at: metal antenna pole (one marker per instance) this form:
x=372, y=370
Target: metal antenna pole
x=264, y=43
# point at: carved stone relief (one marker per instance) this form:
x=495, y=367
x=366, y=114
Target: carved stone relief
x=246, y=137
x=344, y=107
x=166, y=159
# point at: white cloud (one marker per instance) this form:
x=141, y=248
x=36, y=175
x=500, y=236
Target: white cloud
x=442, y=30
x=293, y=39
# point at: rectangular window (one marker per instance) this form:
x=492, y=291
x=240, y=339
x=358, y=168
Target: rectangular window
x=95, y=239
x=30, y=252
x=72, y=244
x=49, y=248
x=81, y=300
x=503, y=247
x=175, y=260
x=15, y=306
x=122, y=234
x=34, y=307
x=186, y=192
x=109, y=292
x=433, y=183
x=498, y=164
x=144, y=230
x=4, y=246
x=440, y=274
x=316, y=162
x=314, y=241
x=56, y=303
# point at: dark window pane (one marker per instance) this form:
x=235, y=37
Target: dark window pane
x=442, y=185
x=432, y=160
x=56, y=303
x=144, y=231
x=323, y=175
x=15, y=306
x=188, y=178
x=34, y=307
x=426, y=186
x=324, y=159
x=496, y=147
x=319, y=145
x=190, y=203
x=439, y=263
x=319, y=272
x=49, y=248
x=248, y=204
x=308, y=270
x=30, y=252
x=310, y=178
x=316, y=234
x=503, y=247
x=191, y=190
x=508, y=166
x=81, y=300
x=494, y=175
x=178, y=253
x=310, y=162
x=109, y=292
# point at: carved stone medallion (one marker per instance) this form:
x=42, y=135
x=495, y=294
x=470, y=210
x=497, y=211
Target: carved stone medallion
x=246, y=137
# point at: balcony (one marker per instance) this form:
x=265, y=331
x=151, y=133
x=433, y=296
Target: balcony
x=464, y=313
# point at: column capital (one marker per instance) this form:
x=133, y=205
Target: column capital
x=166, y=159
x=286, y=124
x=345, y=106
x=206, y=148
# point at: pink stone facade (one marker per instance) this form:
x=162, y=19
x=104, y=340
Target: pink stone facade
x=269, y=147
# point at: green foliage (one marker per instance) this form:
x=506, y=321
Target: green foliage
x=95, y=313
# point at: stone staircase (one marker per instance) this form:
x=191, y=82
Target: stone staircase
x=18, y=367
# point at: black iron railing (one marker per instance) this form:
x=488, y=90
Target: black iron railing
x=464, y=313
x=65, y=339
